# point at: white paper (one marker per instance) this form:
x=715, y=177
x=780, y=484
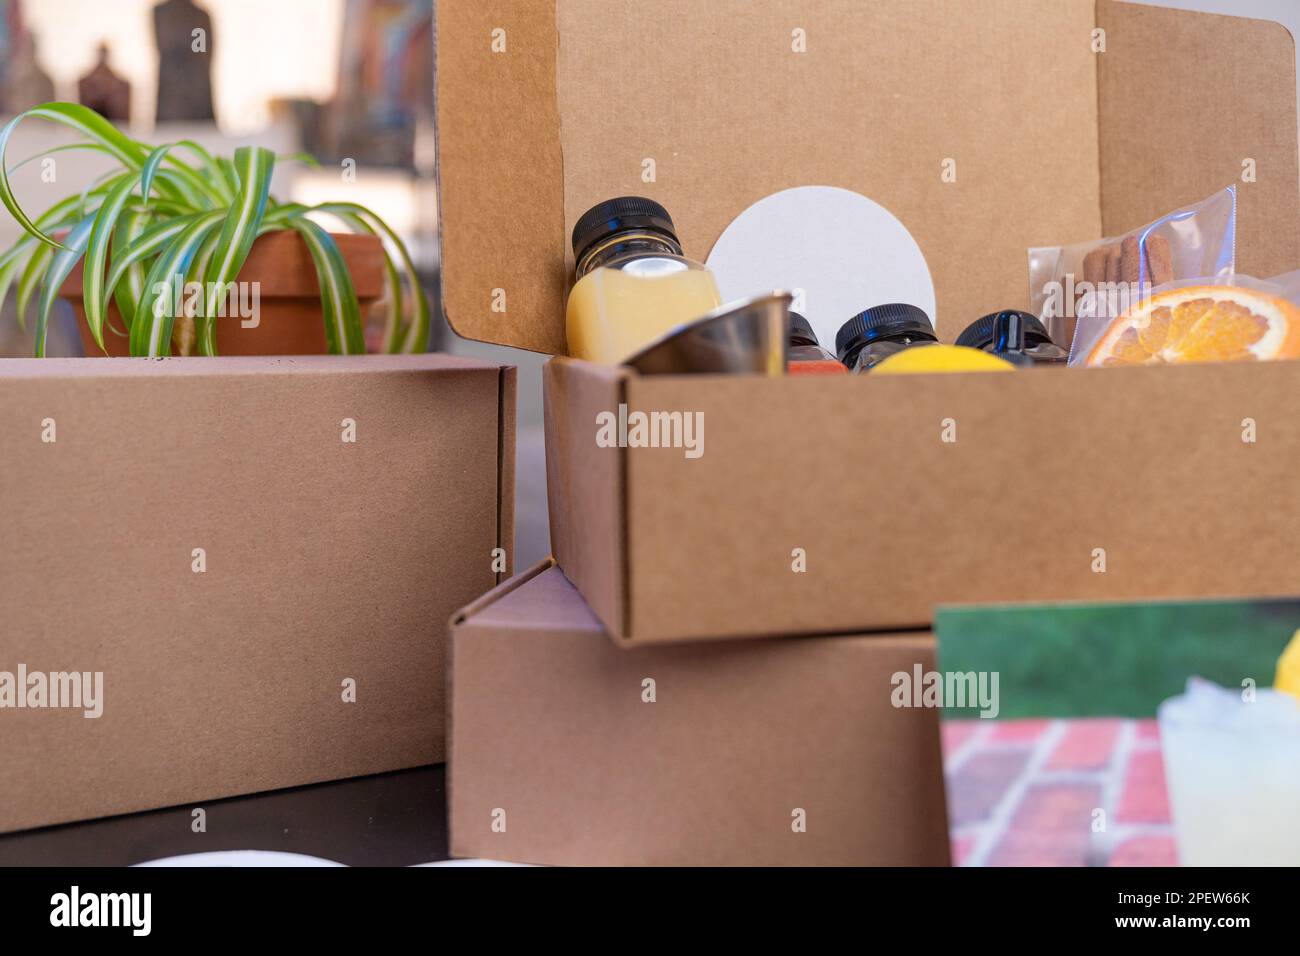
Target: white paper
x=836, y=250
x=242, y=858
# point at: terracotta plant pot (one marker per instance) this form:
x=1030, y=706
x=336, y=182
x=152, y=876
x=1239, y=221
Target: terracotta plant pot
x=290, y=321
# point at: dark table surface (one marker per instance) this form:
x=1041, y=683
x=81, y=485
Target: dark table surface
x=392, y=819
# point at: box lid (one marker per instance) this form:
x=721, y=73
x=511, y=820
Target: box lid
x=546, y=108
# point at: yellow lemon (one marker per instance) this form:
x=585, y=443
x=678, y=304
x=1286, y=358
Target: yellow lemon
x=1288, y=669
x=941, y=358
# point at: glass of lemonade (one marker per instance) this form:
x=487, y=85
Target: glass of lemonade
x=1232, y=768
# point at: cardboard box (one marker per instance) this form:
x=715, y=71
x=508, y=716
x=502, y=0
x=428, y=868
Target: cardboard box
x=1054, y=474
x=1052, y=142
x=322, y=561
x=1108, y=484
x=762, y=753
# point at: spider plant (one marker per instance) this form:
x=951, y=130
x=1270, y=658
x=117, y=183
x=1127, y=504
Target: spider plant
x=172, y=215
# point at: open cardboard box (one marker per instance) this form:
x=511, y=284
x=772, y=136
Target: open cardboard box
x=762, y=753
x=322, y=562
x=1055, y=474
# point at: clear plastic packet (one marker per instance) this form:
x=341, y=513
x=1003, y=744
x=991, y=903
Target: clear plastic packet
x=1077, y=290
x=1287, y=285
x=1187, y=304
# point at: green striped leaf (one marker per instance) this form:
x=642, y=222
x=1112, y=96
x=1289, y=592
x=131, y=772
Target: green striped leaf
x=343, y=331
x=11, y=261
x=148, y=170
x=60, y=214
x=205, y=325
x=94, y=193
x=185, y=192
x=415, y=338
x=130, y=227
x=158, y=206
x=392, y=280
x=253, y=165
x=95, y=128
x=214, y=179
x=307, y=159
x=64, y=213
x=14, y=254
x=151, y=242
x=104, y=222
x=60, y=267
x=177, y=213
x=228, y=173
x=188, y=329
x=151, y=327
x=83, y=120
x=30, y=279
x=281, y=214
x=7, y=272
x=94, y=147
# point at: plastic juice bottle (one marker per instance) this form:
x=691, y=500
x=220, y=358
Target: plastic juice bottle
x=1016, y=336
x=881, y=331
x=633, y=285
x=805, y=354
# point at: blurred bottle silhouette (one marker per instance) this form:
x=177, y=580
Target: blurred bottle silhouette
x=104, y=91
x=23, y=84
x=183, y=34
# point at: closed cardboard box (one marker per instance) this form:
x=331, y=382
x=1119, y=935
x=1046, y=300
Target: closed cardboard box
x=247, y=562
x=566, y=750
x=892, y=496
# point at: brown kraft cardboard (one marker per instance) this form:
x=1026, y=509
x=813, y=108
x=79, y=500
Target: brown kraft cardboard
x=263, y=599
x=842, y=503
x=565, y=750
x=851, y=503
x=1062, y=121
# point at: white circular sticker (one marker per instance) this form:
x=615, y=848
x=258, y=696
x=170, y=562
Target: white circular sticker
x=836, y=250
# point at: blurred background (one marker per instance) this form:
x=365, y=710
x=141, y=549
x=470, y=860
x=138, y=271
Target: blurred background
x=350, y=81
x=1111, y=660
x=345, y=80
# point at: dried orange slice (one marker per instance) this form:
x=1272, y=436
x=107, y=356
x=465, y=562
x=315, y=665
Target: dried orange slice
x=1201, y=324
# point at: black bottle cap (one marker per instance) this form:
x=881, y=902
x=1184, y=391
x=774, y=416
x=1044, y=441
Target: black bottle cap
x=880, y=322
x=617, y=215
x=801, y=331
x=980, y=333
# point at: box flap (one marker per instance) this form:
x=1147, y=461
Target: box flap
x=483, y=602
x=1185, y=100
x=550, y=603
x=506, y=406
x=585, y=483
x=500, y=181
x=730, y=111
x=533, y=129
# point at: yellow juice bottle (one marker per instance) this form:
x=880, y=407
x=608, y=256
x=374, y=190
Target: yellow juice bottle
x=633, y=283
